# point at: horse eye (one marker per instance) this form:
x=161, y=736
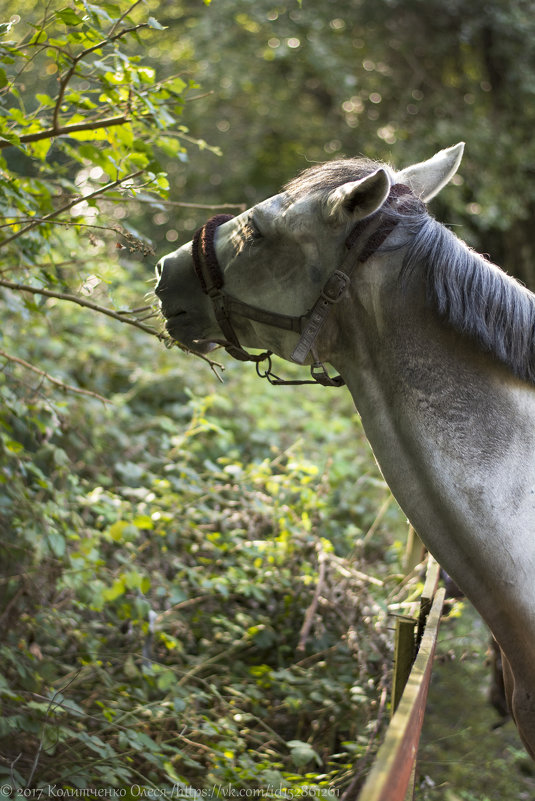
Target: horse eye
x=251, y=231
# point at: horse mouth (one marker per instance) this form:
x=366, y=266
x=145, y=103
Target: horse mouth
x=177, y=330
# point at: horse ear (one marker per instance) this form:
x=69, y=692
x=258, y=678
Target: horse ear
x=427, y=178
x=358, y=199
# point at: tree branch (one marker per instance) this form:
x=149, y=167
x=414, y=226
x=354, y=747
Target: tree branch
x=88, y=304
x=56, y=381
x=121, y=18
x=311, y=611
x=121, y=316
x=185, y=205
x=70, y=72
x=65, y=130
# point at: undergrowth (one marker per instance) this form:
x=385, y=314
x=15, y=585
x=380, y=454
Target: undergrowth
x=195, y=580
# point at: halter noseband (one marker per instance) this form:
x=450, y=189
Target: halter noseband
x=309, y=325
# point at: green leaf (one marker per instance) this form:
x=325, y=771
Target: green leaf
x=161, y=180
x=133, y=579
x=153, y=23
x=143, y=521
x=139, y=160
x=166, y=680
x=13, y=446
x=116, y=530
x=56, y=542
x=10, y=137
x=68, y=16
x=302, y=753
x=115, y=591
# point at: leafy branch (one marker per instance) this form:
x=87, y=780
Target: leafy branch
x=100, y=191
x=88, y=304
x=77, y=59
x=65, y=130
x=106, y=115
x=122, y=316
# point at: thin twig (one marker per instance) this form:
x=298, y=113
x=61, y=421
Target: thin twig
x=311, y=611
x=47, y=217
x=354, y=786
x=7, y=611
x=121, y=316
x=380, y=514
x=12, y=768
x=185, y=205
x=228, y=653
x=56, y=381
x=41, y=741
x=123, y=15
x=183, y=605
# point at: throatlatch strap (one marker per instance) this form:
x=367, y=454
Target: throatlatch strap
x=331, y=293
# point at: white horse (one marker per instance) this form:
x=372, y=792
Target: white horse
x=435, y=344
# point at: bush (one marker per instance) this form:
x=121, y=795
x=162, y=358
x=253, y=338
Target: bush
x=164, y=555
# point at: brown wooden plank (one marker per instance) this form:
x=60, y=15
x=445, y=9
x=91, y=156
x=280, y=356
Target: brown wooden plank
x=390, y=775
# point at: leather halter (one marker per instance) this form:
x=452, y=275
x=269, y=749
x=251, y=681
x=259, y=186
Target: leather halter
x=366, y=237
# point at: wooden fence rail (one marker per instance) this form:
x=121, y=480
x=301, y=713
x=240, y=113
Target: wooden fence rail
x=392, y=775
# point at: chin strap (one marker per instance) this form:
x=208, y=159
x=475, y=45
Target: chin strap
x=366, y=237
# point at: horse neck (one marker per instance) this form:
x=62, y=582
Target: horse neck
x=452, y=432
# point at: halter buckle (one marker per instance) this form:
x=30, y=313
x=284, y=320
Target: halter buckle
x=335, y=287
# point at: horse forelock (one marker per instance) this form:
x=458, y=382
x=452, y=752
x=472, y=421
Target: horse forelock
x=474, y=296
x=325, y=177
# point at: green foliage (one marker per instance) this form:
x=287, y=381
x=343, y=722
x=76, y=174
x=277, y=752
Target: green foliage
x=79, y=152
x=94, y=128
x=162, y=563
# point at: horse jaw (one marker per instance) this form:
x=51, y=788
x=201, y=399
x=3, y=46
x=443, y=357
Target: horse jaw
x=427, y=178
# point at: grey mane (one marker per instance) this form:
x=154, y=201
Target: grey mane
x=471, y=294
x=475, y=297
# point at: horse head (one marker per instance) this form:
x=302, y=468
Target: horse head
x=277, y=257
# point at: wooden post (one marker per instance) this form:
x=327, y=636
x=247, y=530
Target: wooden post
x=404, y=653
x=414, y=551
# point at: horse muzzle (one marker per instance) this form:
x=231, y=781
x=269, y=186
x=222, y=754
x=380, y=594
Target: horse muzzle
x=183, y=305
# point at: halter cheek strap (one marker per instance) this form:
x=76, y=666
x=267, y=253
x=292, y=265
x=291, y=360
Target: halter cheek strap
x=339, y=281
x=365, y=241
